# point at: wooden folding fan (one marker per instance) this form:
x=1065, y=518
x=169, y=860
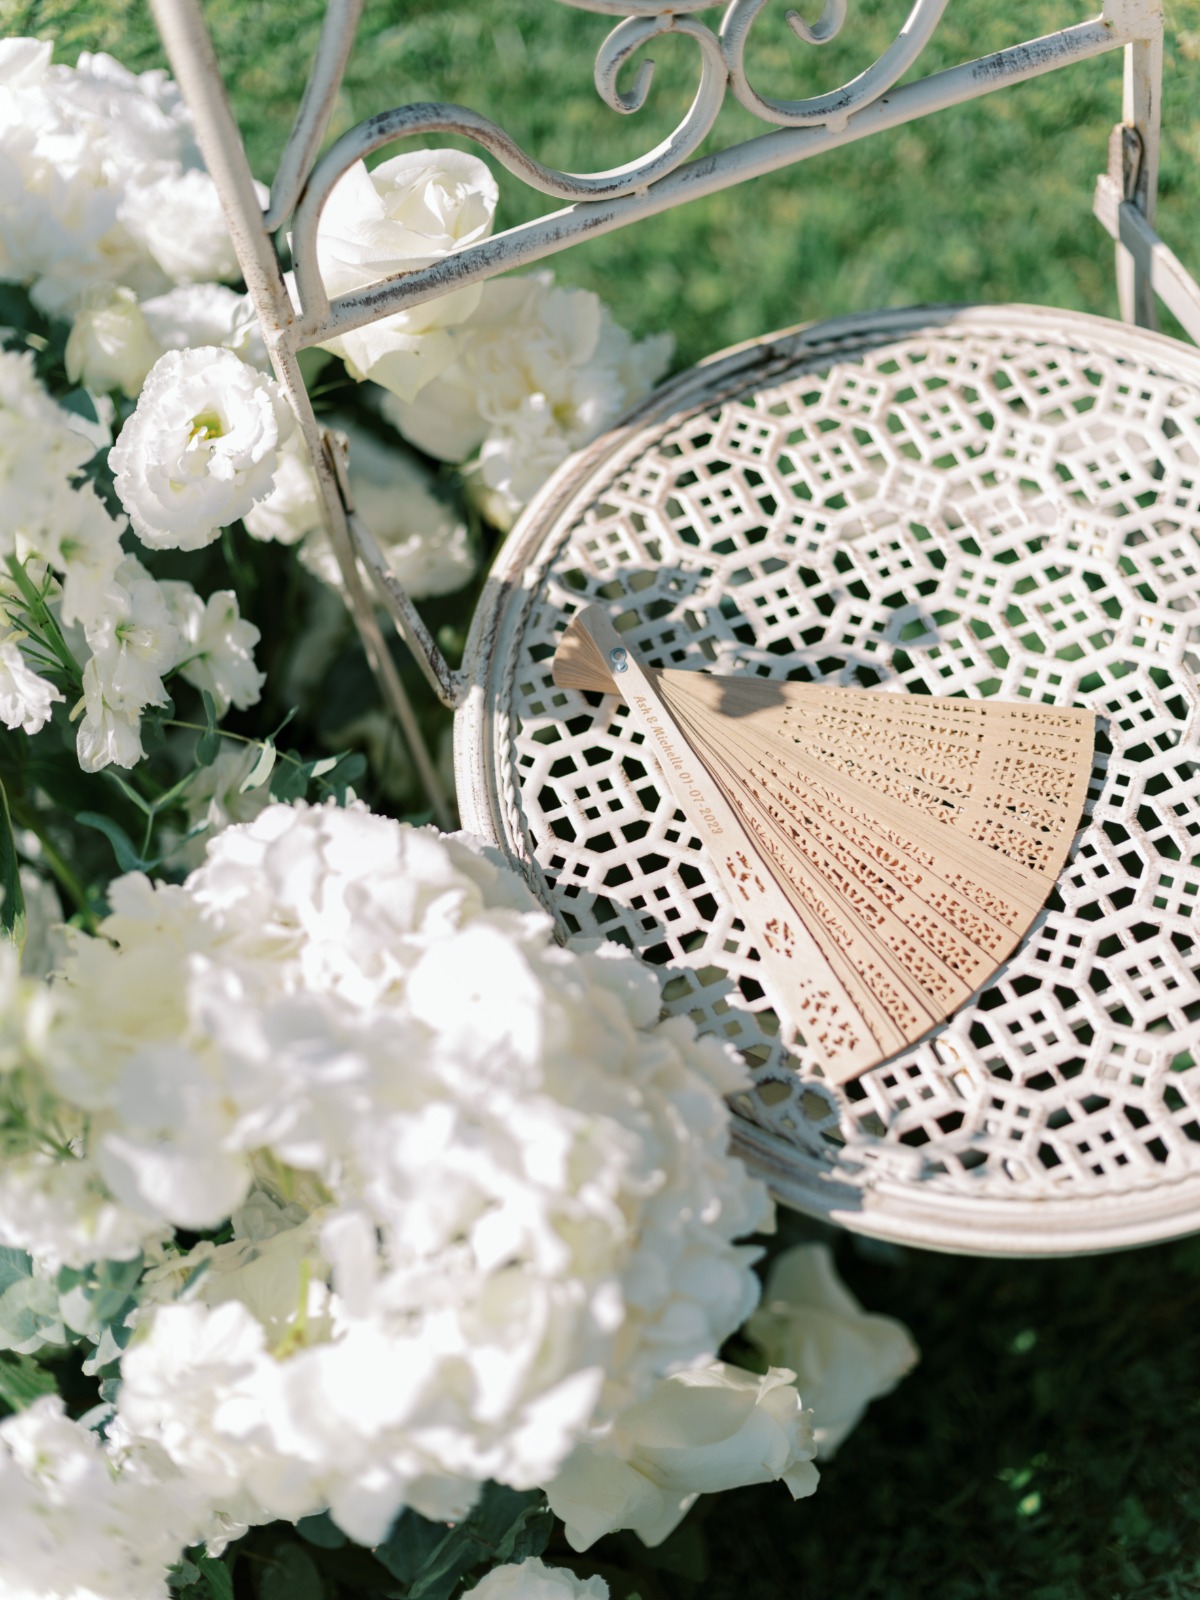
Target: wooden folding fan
x=885, y=852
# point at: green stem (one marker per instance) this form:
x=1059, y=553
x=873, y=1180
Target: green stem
x=50, y=634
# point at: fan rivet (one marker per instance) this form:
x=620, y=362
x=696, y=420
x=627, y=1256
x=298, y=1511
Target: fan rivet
x=619, y=658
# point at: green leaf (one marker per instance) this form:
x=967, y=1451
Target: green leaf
x=338, y=775
x=14, y=1265
x=29, y=1316
x=289, y=781
x=438, y=1578
x=82, y=402
x=322, y=1531
x=22, y=1381
x=217, y=1576
x=290, y=1573
x=262, y=769
x=409, y=1545
x=128, y=859
x=12, y=911
x=208, y=745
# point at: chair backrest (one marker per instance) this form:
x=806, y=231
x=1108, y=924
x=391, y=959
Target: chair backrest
x=600, y=202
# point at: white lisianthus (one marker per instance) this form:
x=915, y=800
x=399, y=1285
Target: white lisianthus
x=699, y=1432
x=538, y=371
x=404, y=214
x=110, y=346
x=843, y=1357
x=86, y=552
x=197, y=314
x=518, y=1173
x=25, y=698
x=217, y=650
x=200, y=449
x=293, y=508
x=532, y=1579
x=85, y=1520
x=427, y=547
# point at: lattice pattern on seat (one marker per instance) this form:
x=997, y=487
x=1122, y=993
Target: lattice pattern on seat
x=986, y=504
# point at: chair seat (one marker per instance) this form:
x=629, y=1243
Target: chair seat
x=998, y=501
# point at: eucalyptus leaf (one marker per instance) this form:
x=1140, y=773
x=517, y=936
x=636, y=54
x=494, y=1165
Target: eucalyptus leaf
x=262, y=769
x=409, y=1545
x=29, y=1317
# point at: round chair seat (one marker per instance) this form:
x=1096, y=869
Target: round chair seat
x=995, y=501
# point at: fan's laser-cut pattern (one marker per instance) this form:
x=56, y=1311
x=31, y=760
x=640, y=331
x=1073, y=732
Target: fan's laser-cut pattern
x=885, y=852
x=998, y=503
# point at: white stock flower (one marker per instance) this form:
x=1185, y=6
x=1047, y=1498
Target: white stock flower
x=404, y=214
x=110, y=345
x=699, y=1432
x=217, y=651
x=527, y=1211
x=293, y=508
x=109, y=735
x=532, y=1579
x=25, y=698
x=200, y=449
x=538, y=372
x=206, y=314
x=427, y=547
x=843, y=1357
x=135, y=642
x=216, y=797
x=86, y=1521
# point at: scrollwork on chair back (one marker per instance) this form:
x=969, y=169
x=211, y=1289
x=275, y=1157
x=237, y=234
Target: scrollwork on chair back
x=667, y=174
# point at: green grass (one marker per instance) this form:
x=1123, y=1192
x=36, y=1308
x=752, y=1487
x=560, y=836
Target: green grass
x=1046, y=1449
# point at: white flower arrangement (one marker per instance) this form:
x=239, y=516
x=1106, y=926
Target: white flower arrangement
x=360, y=1197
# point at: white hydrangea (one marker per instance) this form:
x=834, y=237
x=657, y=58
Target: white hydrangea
x=538, y=372
x=523, y=1205
x=86, y=1521
x=532, y=1579
x=201, y=448
x=100, y=181
x=844, y=1357
x=699, y=1432
x=427, y=547
x=404, y=214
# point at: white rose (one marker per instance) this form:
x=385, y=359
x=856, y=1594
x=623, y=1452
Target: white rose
x=110, y=346
x=25, y=698
x=293, y=508
x=532, y=1579
x=206, y=314
x=201, y=449
x=427, y=547
x=843, y=1356
x=402, y=215
x=699, y=1432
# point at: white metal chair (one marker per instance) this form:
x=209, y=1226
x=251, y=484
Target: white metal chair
x=999, y=500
